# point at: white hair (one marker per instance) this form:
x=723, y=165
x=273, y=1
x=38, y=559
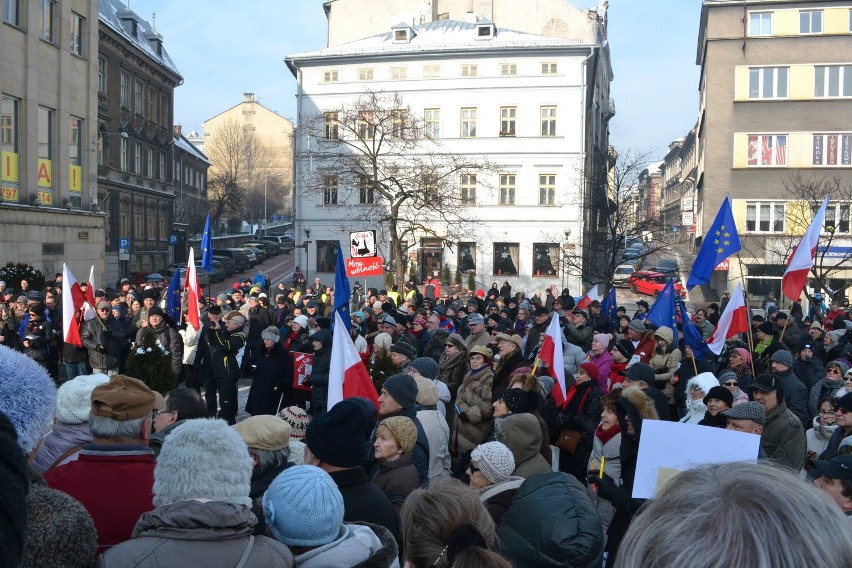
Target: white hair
x=109, y=429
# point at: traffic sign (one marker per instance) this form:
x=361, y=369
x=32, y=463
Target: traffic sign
x=173, y=239
x=124, y=245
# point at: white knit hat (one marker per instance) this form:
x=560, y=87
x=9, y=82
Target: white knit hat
x=74, y=398
x=302, y=321
x=494, y=460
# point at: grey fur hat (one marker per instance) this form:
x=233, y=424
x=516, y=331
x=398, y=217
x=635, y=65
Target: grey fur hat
x=203, y=459
x=27, y=397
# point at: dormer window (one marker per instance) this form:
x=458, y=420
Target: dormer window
x=485, y=29
x=402, y=33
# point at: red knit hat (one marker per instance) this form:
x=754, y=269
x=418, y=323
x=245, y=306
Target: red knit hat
x=591, y=369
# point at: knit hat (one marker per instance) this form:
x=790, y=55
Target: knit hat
x=388, y=320
x=475, y=318
x=426, y=366
x=74, y=398
x=27, y=396
x=457, y=340
x=404, y=349
x=640, y=372
x=302, y=321
x=783, y=357
x=625, y=347
x=842, y=364
x=603, y=338
x=591, y=369
x=494, y=460
x=270, y=333
x=844, y=401
x=337, y=437
x=14, y=478
x=383, y=340
x=744, y=354
x=638, y=326
x=767, y=327
x=427, y=392
x=60, y=531
x=546, y=383
x=303, y=507
x=403, y=431
x=323, y=336
x=519, y=401
x=156, y=311
x=727, y=375
x=298, y=420
x=750, y=410
x=402, y=388
x=203, y=458
x=222, y=297
x=264, y=432
x=720, y=393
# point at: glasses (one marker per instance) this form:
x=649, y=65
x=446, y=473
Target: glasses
x=826, y=413
x=833, y=371
x=737, y=355
x=843, y=411
x=731, y=384
x=447, y=346
x=473, y=468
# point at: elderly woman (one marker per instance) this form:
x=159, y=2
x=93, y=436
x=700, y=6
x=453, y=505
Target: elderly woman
x=509, y=348
x=739, y=361
x=832, y=386
x=665, y=361
x=605, y=452
x=730, y=381
x=453, y=364
x=490, y=473
x=717, y=401
x=272, y=385
x=473, y=403
x=697, y=389
x=600, y=357
x=581, y=412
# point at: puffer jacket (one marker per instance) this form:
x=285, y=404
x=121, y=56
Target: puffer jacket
x=498, y=498
x=551, y=523
x=58, y=441
x=438, y=433
x=192, y=533
x=360, y=545
x=474, y=411
x=111, y=335
x=521, y=433
x=695, y=409
x=169, y=339
x=818, y=436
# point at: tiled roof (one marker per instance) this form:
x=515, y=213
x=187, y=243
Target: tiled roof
x=108, y=11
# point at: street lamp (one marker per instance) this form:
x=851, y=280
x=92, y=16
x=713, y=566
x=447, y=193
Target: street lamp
x=265, y=186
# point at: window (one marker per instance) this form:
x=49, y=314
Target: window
x=123, y=218
x=444, y=16
x=9, y=149
x=45, y=148
x=366, y=194
x=398, y=123
x=150, y=169
x=164, y=111
x=138, y=228
x=137, y=97
x=432, y=123
x=467, y=257
x=102, y=75
x=75, y=160
x=833, y=81
x=545, y=259
x=507, y=189
x=326, y=256
x=832, y=149
x=767, y=82
x=398, y=73
x=837, y=218
x=137, y=159
x=506, y=259
x=152, y=104
x=431, y=71
x=365, y=127
x=508, y=69
x=330, y=76
x=77, y=22
x=767, y=150
x=547, y=189
x=48, y=20
x=329, y=190
x=467, y=185
x=162, y=166
x=12, y=12
x=431, y=188
x=548, y=68
x=125, y=90
x=332, y=126
x=100, y=149
x=762, y=217
x=152, y=226
x=468, y=123
x=163, y=226
x=760, y=23
x=548, y=121
x=468, y=70
x=507, y=120
x=810, y=22
x=400, y=35
x=365, y=74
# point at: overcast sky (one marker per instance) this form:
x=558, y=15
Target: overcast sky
x=224, y=48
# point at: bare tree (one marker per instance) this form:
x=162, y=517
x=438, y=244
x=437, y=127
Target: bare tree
x=377, y=160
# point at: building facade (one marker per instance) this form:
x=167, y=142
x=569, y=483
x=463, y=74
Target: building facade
x=775, y=118
x=190, y=183
x=48, y=133
x=678, y=190
x=532, y=105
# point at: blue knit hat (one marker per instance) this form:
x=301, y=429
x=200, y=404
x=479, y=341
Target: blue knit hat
x=27, y=396
x=303, y=507
x=426, y=366
x=403, y=389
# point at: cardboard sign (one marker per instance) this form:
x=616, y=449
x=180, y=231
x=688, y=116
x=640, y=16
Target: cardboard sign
x=361, y=267
x=302, y=368
x=362, y=244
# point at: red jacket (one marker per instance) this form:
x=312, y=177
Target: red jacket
x=645, y=348
x=115, y=485
x=616, y=375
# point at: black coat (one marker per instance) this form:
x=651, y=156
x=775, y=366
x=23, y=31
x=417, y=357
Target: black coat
x=272, y=378
x=319, y=380
x=583, y=413
x=363, y=501
x=104, y=340
x=501, y=376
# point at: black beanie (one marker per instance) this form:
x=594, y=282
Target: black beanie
x=14, y=485
x=720, y=393
x=519, y=401
x=403, y=389
x=625, y=347
x=337, y=436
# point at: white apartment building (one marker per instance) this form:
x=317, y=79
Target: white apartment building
x=534, y=106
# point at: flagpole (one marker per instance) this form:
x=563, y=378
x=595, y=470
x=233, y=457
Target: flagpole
x=748, y=330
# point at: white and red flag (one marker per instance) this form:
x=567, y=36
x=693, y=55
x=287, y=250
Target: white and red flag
x=584, y=302
x=348, y=376
x=72, y=300
x=89, y=300
x=192, y=293
x=802, y=259
x=733, y=320
x=551, y=354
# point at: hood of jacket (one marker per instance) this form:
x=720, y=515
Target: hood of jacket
x=823, y=431
x=638, y=406
x=354, y=544
x=196, y=520
x=521, y=433
x=665, y=333
x=704, y=381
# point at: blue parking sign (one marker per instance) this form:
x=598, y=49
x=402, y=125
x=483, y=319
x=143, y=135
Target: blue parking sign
x=124, y=243
x=173, y=239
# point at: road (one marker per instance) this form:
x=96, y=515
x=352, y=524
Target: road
x=275, y=268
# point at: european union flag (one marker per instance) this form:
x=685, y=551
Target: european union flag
x=720, y=242
x=692, y=338
x=342, y=292
x=609, y=305
x=662, y=313
x=173, y=299
x=207, y=247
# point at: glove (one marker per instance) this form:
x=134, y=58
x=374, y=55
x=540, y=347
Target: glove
x=606, y=485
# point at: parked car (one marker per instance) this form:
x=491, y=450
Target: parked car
x=136, y=278
x=249, y=252
x=622, y=274
x=259, y=253
x=268, y=248
x=668, y=266
x=285, y=243
x=652, y=283
x=227, y=264
x=241, y=260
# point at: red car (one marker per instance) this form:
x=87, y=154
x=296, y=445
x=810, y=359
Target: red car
x=652, y=283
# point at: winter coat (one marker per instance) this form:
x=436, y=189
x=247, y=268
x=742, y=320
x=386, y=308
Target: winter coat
x=503, y=371
x=434, y=345
x=357, y=545
x=190, y=339
x=645, y=348
x=192, y=533
x=783, y=438
x=695, y=409
x=740, y=397
x=223, y=347
x=521, y=433
x=438, y=433
x=796, y=397
x=169, y=339
x=810, y=372
x=482, y=338
x=498, y=497
x=792, y=337
x=59, y=440
x=273, y=377
x=474, y=411
x=397, y=479
x=572, y=357
x=833, y=446
x=259, y=318
x=580, y=335
x=818, y=436
x=603, y=361
x=364, y=502
x=533, y=339
x=155, y=442
x=582, y=412
x=39, y=333
x=612, y=467
x=420, y=455
x=104, y=340
x=825, y=388
x=551, y=523
x=319, y=377
x=452, y=370
x=665, y=366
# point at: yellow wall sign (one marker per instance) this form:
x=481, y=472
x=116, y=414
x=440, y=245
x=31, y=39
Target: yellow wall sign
x=45, y=197
x=45, y=173
x=10, y=193
x=9, y=166
x=75, y=178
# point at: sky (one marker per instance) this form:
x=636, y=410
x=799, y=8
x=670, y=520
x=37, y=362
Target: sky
x=223, y=51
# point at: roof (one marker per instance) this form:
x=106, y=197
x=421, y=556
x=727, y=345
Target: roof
x=188, y=147
x=438, y=36
x=108, y=14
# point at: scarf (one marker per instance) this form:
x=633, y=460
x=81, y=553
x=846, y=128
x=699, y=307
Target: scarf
x=606, y=435
x=761, y=347
x=742, y=370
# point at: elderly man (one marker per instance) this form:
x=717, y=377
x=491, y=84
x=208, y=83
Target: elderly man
x=435, y=338
x=783, y=437
x=747, y=417
x=643, y=341
x=103, y=337
x=181, y=405
x=224, y=342
x=478, y=333
x=795, y=391
x=114, y=476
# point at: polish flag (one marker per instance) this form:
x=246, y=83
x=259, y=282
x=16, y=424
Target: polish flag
x=584, y=302
x=90, y=296
x=802, y=259
x=72, y=300
x=551, y=354
x=348, y=376
x=733, y=320
x=192, y=294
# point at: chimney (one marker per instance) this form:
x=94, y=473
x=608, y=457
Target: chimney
x=248, y=97
x=178, y=129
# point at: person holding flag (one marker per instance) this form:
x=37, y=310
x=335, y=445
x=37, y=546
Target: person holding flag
x=720, y=242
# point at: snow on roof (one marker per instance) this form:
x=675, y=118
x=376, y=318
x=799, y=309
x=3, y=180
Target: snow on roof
x=108, y=13
x=188, y=147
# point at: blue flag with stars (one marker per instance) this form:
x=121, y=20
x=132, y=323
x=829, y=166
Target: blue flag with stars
x=609, y=305
x=720, y=242
x=342, y=292
x=173, y=299
x=207, y=247
x=662, y=313
x=692, y=338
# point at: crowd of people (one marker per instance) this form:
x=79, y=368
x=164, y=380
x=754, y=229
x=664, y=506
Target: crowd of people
x=473, y=455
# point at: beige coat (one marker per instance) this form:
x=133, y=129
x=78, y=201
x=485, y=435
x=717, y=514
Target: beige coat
x=665, y=365
x=474, y=411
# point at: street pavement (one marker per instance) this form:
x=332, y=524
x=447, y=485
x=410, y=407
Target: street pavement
x=275, y=269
